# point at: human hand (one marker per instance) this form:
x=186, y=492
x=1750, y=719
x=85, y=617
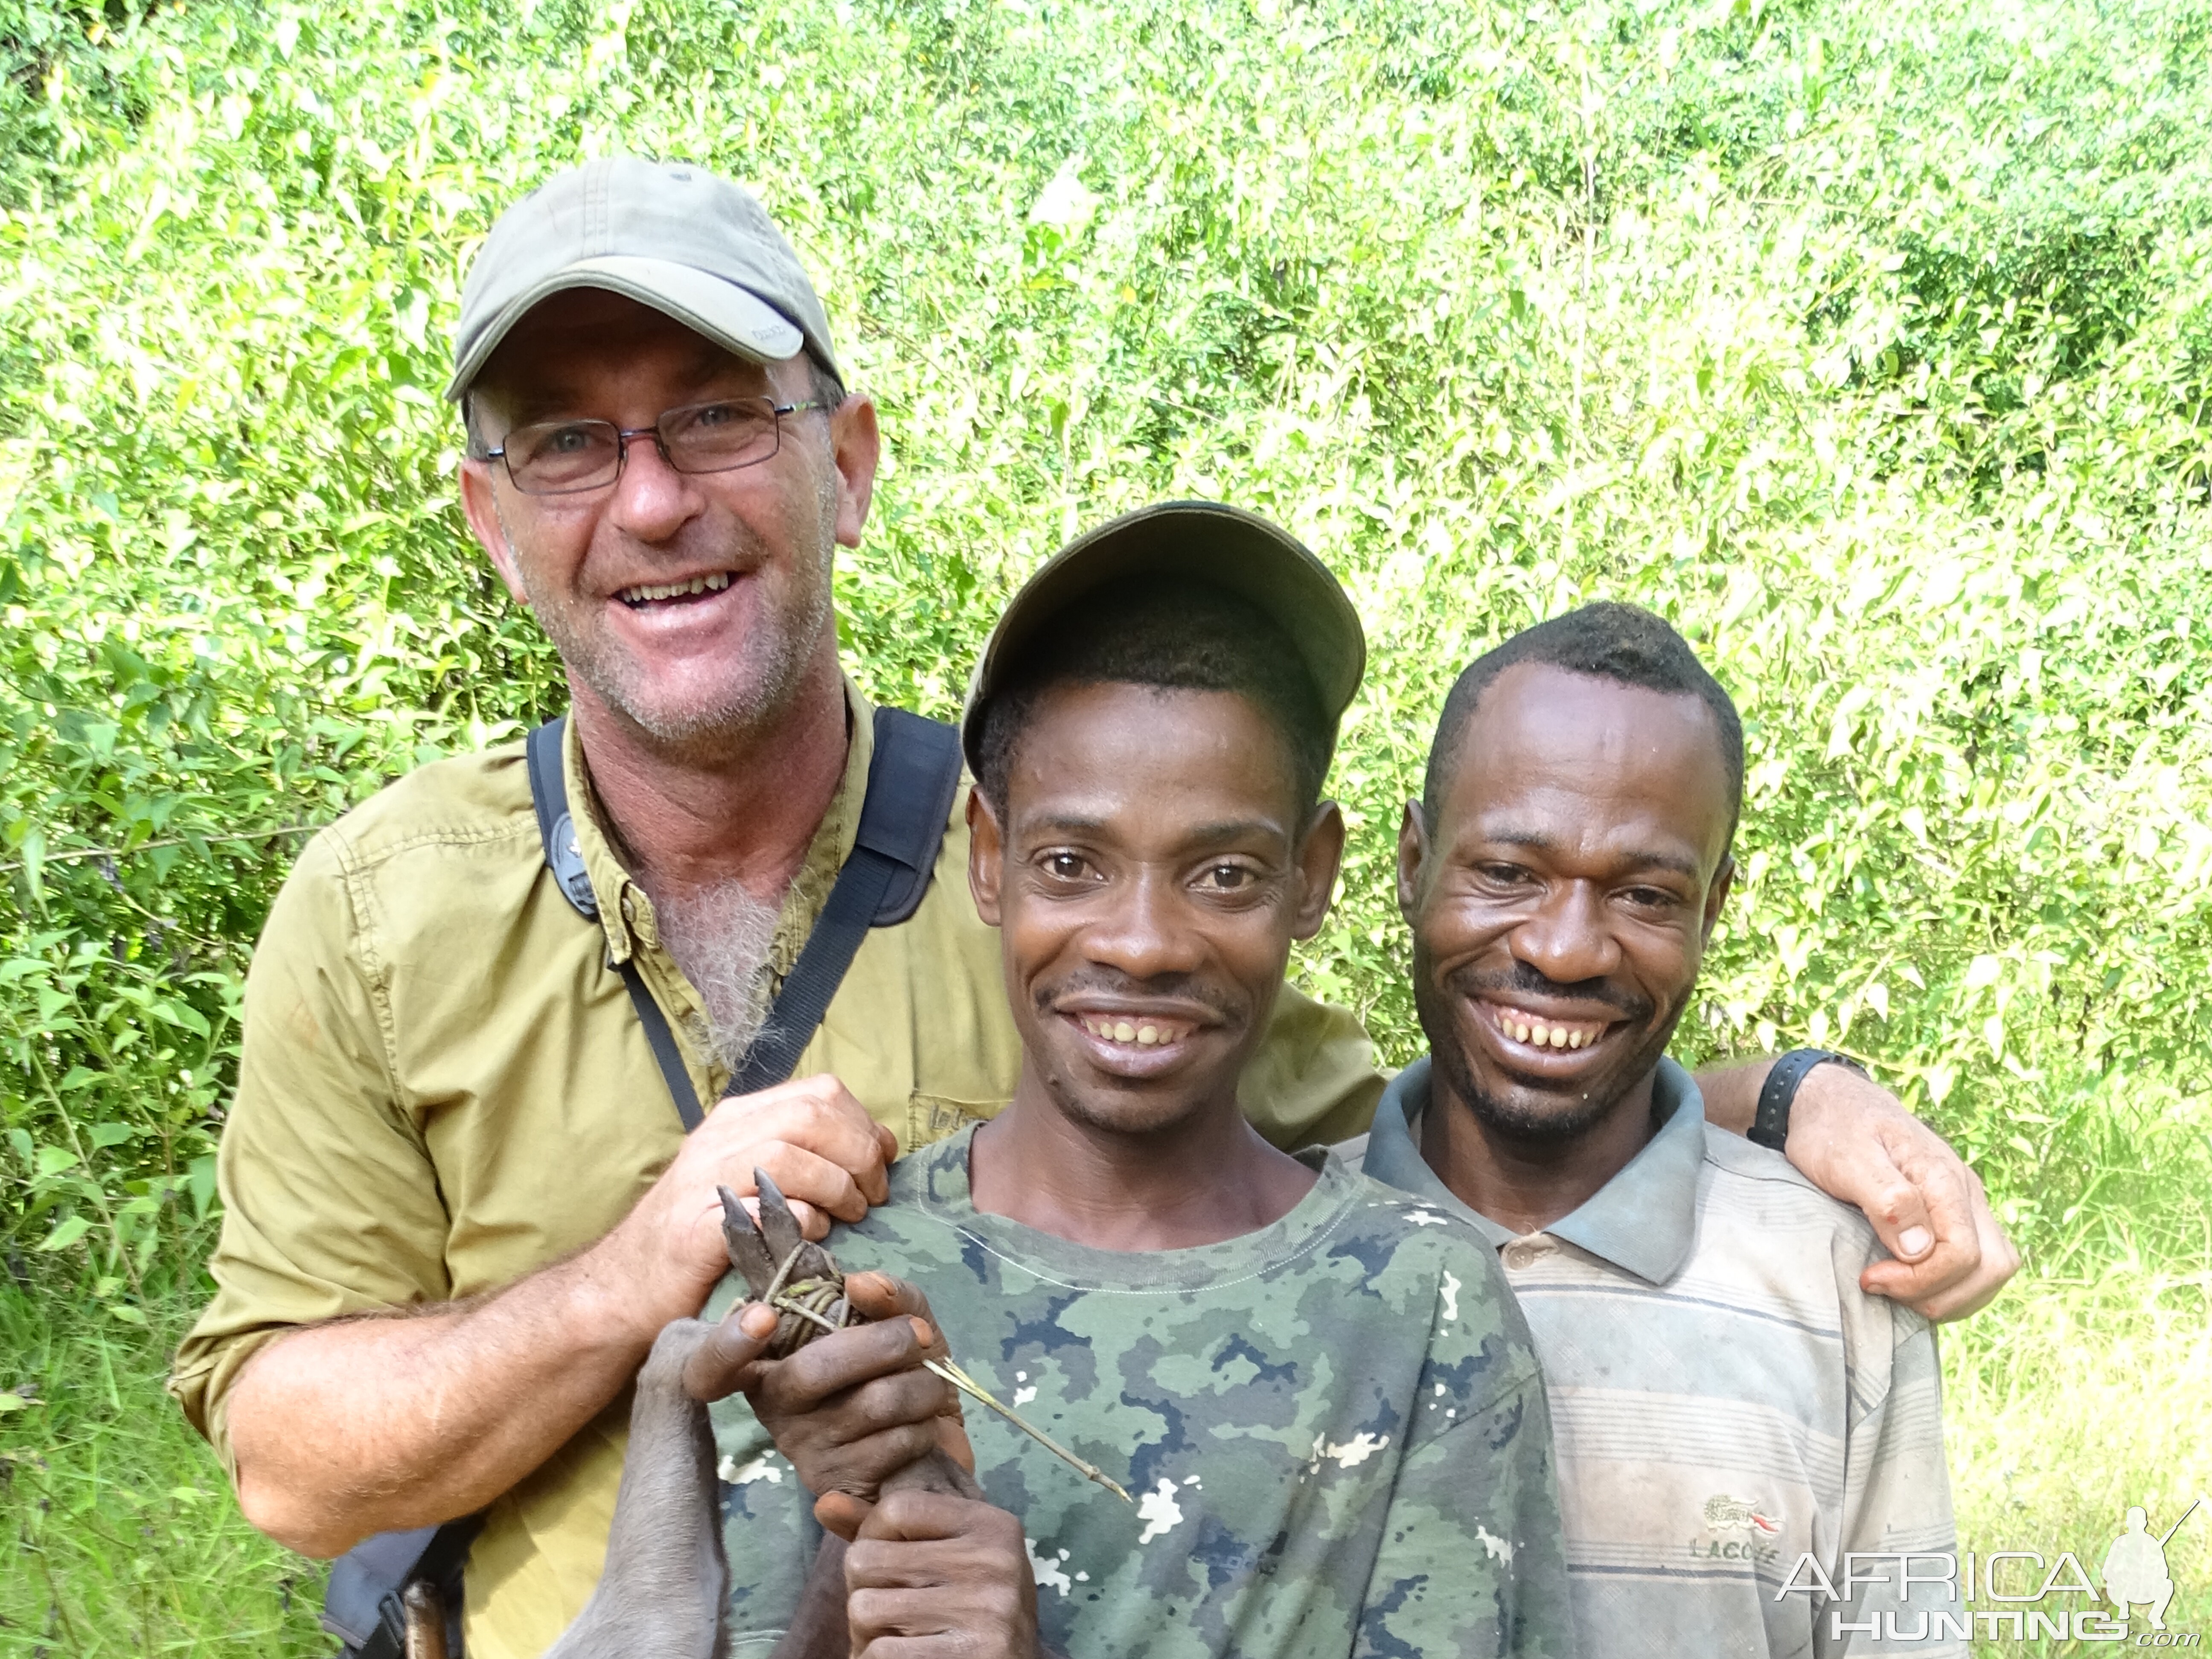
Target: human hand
x=932, y=1576
x=850, y=1408
x=815, y=1141
x=1853, y=1139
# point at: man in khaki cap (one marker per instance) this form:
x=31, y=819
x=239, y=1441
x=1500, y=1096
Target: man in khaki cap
x=483, y=997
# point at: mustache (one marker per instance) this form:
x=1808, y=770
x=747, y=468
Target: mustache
x=1107, y=982
x=1468, y=983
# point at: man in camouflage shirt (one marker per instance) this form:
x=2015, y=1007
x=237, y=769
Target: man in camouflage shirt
x=1318, y=1390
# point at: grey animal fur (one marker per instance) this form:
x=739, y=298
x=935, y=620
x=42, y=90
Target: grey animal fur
x=662, y=1590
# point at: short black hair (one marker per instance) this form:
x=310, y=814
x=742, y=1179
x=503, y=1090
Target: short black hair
x=1624, y=643
x=1176, y=634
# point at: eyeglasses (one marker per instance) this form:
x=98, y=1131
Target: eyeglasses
x=565, y=458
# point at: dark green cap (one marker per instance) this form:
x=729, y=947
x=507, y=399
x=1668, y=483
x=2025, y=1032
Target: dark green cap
x=1224, y=546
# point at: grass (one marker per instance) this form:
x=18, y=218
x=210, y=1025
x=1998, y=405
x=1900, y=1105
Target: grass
x=120, y=1534
x=2069, y=1401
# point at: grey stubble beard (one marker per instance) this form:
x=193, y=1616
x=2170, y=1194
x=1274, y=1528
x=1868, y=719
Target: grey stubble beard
x=782, y=659
x=720, y=937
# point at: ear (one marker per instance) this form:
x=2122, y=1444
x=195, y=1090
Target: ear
x=1413, y=856
x=480, y=507
x=1715, y=896
x=986, y=856
x=855, y=446
x=1319, y=856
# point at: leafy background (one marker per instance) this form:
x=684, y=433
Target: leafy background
x=1872, y=344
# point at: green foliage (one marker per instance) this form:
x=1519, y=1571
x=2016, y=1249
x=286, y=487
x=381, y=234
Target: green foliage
x=1872, y=345
x=118, y=1529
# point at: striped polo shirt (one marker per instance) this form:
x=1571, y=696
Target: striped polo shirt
x=1726, y=1399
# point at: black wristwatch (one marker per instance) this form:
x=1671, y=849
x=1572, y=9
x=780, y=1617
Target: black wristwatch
x=1770, y=1126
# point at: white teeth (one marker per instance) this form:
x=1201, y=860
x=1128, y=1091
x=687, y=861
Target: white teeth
x=646, y=592
x=1558, y=1036
x=1576, y=1040
x=1147, y=1035
x=1520, y=1033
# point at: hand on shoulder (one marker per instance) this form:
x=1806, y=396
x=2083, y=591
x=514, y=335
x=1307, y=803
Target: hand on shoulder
x=1854, y=1140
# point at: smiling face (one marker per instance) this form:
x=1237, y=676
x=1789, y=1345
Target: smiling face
x=1561, y=902
x=1148, y=874
x=690, y=606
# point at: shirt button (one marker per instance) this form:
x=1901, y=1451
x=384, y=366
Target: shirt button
x=1527, y=1252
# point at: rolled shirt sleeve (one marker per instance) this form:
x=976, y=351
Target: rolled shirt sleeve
x=330, y=1202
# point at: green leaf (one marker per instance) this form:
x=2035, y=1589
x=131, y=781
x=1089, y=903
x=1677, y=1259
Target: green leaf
x=66, y=1233
x=201, y=1176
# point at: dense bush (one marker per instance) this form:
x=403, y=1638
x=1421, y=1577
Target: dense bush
x=1872, y=344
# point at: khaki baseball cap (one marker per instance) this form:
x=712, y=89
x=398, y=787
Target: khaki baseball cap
x=1223, y=546
x=668, y=235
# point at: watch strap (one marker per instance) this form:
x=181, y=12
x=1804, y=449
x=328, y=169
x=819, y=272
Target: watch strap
x=1770, y=1125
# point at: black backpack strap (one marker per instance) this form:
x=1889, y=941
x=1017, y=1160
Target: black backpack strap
x=556, y=831
x=666, y=1054
x=362, y=1606
x=912, y=777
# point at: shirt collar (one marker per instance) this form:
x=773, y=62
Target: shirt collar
x=1644, y=1220
x=628, y=919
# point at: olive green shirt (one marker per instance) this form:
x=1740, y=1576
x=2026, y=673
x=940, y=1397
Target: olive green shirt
x=444, y=1087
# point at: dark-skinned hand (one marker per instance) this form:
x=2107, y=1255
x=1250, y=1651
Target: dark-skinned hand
x=850, y=1408
x=937, y=1577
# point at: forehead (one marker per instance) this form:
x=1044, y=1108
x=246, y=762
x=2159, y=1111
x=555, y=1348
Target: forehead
x=576, y=338
x=1591, y=763
x=1149, y=760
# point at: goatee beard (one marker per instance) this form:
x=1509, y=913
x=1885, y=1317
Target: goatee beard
x=1544, y=1120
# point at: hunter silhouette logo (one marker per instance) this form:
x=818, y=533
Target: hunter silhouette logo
x=2134, y=1572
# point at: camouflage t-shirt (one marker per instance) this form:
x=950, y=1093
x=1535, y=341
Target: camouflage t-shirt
x=1333, y=1428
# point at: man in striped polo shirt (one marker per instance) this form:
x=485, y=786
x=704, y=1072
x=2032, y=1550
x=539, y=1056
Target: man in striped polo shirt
x=1727, y=1398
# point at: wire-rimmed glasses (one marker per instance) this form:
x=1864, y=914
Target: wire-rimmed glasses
x=565, y=458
